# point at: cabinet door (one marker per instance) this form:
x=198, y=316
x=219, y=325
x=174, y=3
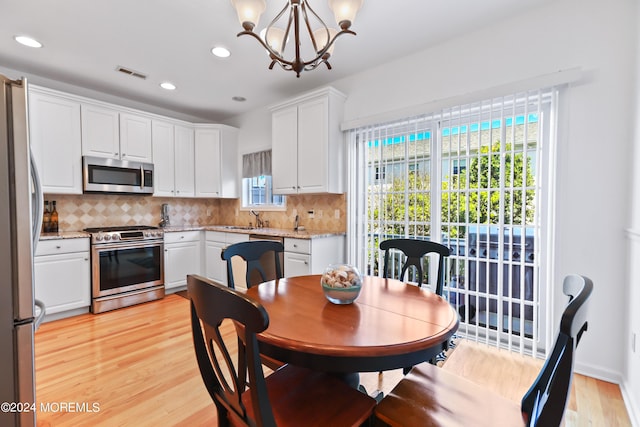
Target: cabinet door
x=208, y=163
x=184, y=162
x=100, y=131
x=54, y=128
x=296, y=264
x=216, y=267
x=63, y=282
x=284, y=147
x=313, y=141
x=135, y=138
x=163, y=158
x=180, y=259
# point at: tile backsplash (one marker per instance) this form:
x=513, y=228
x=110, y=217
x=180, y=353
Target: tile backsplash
x=77, y=212
x=329, y=213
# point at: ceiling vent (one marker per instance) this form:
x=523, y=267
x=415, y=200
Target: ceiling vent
x=131, y=72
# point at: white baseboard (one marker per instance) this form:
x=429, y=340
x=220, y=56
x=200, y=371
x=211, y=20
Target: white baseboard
x=633, y=407
x=598, y=372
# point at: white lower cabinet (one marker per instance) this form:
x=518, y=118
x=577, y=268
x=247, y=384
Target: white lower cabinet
x=215, y=243
x=182, y=256
x=312, y=256
x=62, y=271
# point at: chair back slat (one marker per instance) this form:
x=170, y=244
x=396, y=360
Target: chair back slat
x=224, y=378
x=254, y=253
x=545, y=402
x=414, y=250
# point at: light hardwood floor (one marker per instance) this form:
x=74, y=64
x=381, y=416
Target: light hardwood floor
x=137, y=365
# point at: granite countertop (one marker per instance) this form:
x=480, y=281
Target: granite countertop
x=65, y=235
x=276, y=232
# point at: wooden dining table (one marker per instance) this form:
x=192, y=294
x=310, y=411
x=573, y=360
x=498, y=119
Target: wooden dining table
x=390, y=325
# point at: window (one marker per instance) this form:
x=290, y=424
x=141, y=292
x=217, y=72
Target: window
x=257, y=190
x=473, y=178
x=257, y=193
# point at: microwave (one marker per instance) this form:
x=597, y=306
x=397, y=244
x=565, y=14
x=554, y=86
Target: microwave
x=103, y=175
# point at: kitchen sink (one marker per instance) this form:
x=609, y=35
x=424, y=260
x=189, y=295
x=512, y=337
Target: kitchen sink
x=237, y=227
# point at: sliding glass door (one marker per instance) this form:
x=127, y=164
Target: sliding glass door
x=473, y=177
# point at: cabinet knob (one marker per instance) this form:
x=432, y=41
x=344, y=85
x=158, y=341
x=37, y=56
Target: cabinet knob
x=115, y=154
x=293, y=188
x=306, y=263
x=86, y=259
x=166, y=250
x=58, y=246
x=182, y=237
x=124, y=155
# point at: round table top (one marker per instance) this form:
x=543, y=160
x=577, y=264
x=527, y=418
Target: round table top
x=391, y=324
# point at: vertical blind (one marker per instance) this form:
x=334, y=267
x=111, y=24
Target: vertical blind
x=470, y=177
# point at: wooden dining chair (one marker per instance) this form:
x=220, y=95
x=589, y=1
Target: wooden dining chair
x=414, y=251
x=432, y=396
x=290, y=396
x=256, y=253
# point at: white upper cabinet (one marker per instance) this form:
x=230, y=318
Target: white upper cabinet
x=307, y=144
x=184, y=162
x=216, y=160
x=163, y=158
x=135, y=138
x=54, y=131
x=100, y=131
x=106, y=132
x=173, y=159
x=190, y=160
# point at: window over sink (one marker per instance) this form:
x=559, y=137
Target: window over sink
x=257, y=188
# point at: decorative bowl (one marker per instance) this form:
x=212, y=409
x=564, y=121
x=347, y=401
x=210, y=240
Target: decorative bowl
x=341, y=283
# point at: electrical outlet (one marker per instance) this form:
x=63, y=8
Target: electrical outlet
x=336, y=214
x=208, y=211
x=312, y=214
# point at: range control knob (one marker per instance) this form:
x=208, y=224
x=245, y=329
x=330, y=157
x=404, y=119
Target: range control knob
x=116, y=237
x=98, y=238
x=107, y=237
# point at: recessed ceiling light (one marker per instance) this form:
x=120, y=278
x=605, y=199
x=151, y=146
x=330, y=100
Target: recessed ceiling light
x=220, y=52
x=168, y=86
x=27, y=41
x=239, y=98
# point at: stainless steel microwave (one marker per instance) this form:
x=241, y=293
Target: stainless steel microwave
x=103, y=175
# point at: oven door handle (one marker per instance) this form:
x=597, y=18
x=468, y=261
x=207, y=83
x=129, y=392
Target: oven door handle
x=128, y=244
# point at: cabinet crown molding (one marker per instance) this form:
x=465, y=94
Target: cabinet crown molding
x=325, y=91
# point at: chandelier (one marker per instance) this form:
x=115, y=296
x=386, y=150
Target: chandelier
x=296, y=20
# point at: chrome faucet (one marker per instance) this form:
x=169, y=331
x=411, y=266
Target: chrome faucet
x=259, y=223
x=164, y=216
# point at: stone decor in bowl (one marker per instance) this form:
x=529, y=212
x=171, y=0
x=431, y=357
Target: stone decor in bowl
x=341, y=283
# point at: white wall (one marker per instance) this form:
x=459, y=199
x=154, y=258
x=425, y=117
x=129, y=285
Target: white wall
x=632, y=359
x=594, y=165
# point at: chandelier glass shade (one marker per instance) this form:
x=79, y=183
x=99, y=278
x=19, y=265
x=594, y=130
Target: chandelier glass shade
x=298, y=23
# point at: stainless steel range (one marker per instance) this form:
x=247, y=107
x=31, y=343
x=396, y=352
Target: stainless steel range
x=126, y=266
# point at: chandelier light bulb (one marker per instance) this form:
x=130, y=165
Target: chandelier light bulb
x=320, y=35
x=249, y=12
x=345, y=11
x=274, y=37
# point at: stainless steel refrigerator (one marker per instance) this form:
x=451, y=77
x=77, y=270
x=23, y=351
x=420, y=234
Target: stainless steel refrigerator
x=20, y=219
